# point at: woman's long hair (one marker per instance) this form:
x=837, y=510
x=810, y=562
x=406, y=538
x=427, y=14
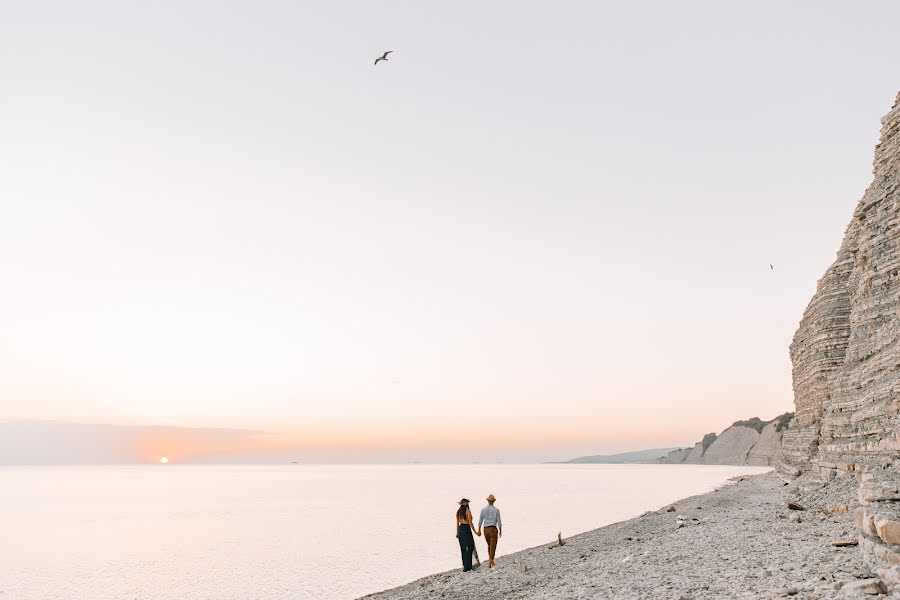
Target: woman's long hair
x=461, y=513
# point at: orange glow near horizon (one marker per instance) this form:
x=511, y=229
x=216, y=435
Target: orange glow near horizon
x=183, y=444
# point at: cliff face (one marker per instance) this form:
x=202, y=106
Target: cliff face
x=767, y=450
x=845, y=353
x=733, y=447
x=752, y=442
x=846, y=358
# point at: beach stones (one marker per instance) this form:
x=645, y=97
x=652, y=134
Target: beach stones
x=739, y=550
x=865, y=587
x=888, y=530
x=786, y=591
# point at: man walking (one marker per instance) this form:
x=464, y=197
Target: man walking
x=493, y=527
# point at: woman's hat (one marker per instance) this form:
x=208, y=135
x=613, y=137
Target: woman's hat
x=464, y=502
x=491, y=498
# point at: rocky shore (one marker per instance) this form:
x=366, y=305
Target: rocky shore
x=827, y=525
x=740, y=541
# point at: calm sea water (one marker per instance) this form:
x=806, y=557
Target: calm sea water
x=297, y=531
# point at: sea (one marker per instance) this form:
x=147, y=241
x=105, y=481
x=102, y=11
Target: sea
x=299, y=532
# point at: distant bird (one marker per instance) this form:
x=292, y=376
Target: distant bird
x=771, y=268
x=383, y=57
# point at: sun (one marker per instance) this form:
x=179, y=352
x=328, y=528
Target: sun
x=164, y=460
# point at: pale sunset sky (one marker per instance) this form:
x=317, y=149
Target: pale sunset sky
x=539, y=230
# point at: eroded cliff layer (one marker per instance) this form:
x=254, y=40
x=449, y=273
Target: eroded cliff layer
x=846, y=358
x=846, y=361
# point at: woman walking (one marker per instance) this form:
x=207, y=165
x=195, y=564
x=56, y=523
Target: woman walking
x=464, y=528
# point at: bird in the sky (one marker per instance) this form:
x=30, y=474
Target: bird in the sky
x=383, y=56
x=771, y=268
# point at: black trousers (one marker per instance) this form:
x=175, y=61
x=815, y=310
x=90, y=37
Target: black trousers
x=466, y=545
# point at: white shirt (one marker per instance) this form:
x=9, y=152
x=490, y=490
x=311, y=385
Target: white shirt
x=490, y=516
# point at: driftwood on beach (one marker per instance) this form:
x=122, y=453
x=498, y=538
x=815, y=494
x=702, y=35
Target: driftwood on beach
x=559, y=542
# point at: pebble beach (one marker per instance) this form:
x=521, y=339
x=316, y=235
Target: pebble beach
x=739, y=541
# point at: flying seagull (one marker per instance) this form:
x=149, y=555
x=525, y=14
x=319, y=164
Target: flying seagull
x=383, y=56
x=771, y=268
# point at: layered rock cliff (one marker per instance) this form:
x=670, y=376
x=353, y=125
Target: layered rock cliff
x=751, y=442
x=846, y=359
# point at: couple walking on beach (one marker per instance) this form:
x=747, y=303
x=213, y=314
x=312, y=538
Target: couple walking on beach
x=493, y=529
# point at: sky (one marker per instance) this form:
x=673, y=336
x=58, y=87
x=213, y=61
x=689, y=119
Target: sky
x=539, y=230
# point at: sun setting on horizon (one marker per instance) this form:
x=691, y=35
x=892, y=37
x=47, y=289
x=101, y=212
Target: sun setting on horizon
x=164, y=460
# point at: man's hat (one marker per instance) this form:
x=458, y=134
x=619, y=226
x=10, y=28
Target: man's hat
x=491, y=498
